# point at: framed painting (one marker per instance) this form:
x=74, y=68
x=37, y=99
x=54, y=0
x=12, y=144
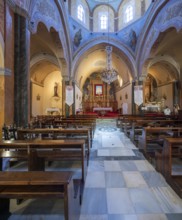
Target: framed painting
x=98, y=89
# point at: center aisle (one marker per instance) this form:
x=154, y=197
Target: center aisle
x=121, y=184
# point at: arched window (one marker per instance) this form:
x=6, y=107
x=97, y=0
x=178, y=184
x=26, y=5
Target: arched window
x=80, y=13
x=129, y=14
x=103, y=22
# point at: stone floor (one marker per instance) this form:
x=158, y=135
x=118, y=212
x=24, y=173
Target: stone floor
x=120, y=185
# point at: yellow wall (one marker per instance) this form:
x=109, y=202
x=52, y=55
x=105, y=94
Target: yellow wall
x=46, y=93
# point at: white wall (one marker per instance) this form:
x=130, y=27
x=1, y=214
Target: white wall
x=37, y=105
x=125, y=96
x=166, y=90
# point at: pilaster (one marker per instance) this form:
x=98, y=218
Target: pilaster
x=21, y=72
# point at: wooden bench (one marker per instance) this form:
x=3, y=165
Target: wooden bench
x=138, y=125
x=152, y=138
x=37, y=184
x=36, y=152
x=172, y=149
x=73, y=123
x=57, y=134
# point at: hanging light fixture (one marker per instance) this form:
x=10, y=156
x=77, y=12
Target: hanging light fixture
x=109, y=74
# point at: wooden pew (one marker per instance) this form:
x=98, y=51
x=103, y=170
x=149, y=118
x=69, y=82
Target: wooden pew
x=152, y=138
x=37, y=184
x=57, y=133
x=86, y=116
x=172, y=148
x=76, y=124
x=127, y=120
x=36, y=152
x=138, y=125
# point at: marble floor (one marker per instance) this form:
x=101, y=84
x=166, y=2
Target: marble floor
x=120, y=185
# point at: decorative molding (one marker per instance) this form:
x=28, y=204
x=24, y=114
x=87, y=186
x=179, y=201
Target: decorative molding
x=17, y=9
x=5, y=72
x=11, y=3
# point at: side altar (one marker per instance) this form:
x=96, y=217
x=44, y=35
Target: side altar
x=51, y=111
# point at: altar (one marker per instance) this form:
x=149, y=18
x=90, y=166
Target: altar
x=102, y=110
x=51, y=111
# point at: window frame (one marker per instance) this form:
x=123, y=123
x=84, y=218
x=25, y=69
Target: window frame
x=103, y=14
x=81, y=13
x=128, y=13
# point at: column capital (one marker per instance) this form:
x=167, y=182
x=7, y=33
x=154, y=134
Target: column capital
x=65, y=78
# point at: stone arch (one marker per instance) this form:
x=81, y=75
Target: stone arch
x=155, y=27
x=41, y=61
x=52, y=16
x=120, y=52
x=163, y=59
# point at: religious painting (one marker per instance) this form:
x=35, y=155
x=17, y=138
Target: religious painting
x=98, y=89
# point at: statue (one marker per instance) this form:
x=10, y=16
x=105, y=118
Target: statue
x=133, y=39
x=56, y=89
x=77, y=38
x=175, y=109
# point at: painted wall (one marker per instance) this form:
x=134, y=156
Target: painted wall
x=37, y=104
x=166, y=90
x=125, y=96
x=49, y=83
x=46, y=93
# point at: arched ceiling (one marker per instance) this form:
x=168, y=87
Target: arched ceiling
x=94, y=60
x=163, y=72
x=43, y=45
x=168, y=44
x=41, y=70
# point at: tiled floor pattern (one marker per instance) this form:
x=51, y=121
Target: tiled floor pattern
x=120, y=185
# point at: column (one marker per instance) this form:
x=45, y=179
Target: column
x=74, y=101
x=21, y=72
x=65, y=107
x=132, y=98
x=176, y=93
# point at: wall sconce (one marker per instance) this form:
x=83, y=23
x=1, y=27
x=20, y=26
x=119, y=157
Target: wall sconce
x=38, y=97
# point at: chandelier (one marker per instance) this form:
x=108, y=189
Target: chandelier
x=109, y=74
